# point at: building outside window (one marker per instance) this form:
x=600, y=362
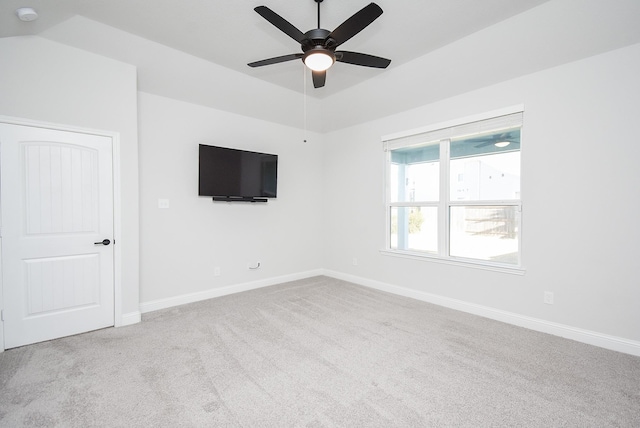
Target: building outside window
x=453, y=193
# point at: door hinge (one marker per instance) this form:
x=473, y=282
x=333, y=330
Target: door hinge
x=2, y=315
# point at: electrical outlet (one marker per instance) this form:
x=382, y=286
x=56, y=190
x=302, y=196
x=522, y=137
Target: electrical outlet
x=548, y=297
x=163, y=203
x=216, y=271
x=355, y=261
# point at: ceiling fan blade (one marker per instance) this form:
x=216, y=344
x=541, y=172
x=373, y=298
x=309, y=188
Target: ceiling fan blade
x=281, y=23
x=485, y=144
x=366, y=60
x=275, y=60
x=319, y=77
x=493, y=141
x=355, y=24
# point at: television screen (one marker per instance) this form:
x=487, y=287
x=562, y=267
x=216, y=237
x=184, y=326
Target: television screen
x=232, y=173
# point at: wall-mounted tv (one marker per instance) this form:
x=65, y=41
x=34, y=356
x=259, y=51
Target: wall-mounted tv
x=237, y=175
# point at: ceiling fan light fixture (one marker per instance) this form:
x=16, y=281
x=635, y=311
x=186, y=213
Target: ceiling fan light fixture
x=319, y=59
x=502, y=144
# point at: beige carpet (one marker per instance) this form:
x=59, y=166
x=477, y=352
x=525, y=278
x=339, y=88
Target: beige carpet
x=317, y=353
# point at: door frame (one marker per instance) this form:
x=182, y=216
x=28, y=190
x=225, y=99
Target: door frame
x=117, y=220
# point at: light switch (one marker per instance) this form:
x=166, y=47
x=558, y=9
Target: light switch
x=163, y=203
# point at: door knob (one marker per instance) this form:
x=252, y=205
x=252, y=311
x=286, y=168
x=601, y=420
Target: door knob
x=103, y=242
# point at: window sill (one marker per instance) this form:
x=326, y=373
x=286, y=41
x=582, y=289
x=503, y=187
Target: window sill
x=514, y=270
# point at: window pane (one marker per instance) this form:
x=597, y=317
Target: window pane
x=414, y=229
x=485, y=233
x=486, y=167
x=415, y=173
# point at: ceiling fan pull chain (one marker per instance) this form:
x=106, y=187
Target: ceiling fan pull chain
x=304, y=103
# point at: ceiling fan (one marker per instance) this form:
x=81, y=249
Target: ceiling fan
x=498, y=140
x=319, y=45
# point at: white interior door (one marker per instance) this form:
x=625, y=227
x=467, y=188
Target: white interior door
x=56, y=197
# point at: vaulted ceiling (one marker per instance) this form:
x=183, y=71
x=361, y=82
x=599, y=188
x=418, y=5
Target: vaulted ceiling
x=481, y=42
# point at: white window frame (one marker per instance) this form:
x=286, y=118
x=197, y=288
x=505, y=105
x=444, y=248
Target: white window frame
x=444, y=132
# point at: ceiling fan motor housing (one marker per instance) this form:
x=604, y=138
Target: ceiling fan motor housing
x=317, y=37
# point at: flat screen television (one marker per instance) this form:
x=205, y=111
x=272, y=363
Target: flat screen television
x=232, y=174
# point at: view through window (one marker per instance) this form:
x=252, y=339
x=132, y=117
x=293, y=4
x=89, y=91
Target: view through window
x=455, y=193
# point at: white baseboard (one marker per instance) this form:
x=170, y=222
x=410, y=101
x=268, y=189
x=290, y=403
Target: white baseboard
x=169, y=302
x=585, y=336
x=581, y=335
x=129, y=319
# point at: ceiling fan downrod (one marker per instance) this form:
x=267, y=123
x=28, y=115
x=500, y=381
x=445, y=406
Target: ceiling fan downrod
x=318, y=1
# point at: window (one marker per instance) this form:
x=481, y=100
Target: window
x=453, y=193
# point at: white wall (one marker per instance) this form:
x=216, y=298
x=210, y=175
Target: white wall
x=580, y=171
x=580, y=151
x=182, y=245
x=553, y=33
x=45, y=81
x=171, y=73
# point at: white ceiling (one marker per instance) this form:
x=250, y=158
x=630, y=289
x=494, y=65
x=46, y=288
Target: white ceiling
x=157, y=36
x=231, y=34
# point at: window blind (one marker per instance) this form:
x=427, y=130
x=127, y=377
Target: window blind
x=494, y=124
